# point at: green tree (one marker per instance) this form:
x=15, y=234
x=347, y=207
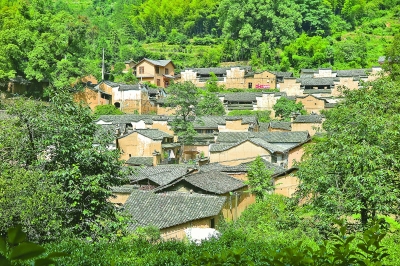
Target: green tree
x=107, y=109
x=183, y=99
x=259, y=179
x=392, y=60
x=353, y=168
x=285, y=107
x=59, y=138
x=212, y=83
x=210, y=104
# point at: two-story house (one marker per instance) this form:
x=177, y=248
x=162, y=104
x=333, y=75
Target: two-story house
x=158, y=72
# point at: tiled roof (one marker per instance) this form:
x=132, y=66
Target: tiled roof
x=164, y=210
x=243, y=167
x=158, y=62
x=160, y=174
x=234, y=137
x=214, y=182
x=308, y=119
x=212, y=122
x=220, y=147
x=317, y=91
x=125, y=119
x=285, y=137
x=330, y=105
x=148, y=161
x=153, y=134
x=126, y=189
x=280, y=125
x=266, y=145
x=104, y=132
x=242, y=96
x=353, y=73
x=316, y=81
x=122, y=86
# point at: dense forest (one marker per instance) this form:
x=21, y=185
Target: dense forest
x=58, y=41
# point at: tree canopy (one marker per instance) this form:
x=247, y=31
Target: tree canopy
x=354, y=167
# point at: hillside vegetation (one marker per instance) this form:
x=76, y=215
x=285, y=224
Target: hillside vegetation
x=58, y=41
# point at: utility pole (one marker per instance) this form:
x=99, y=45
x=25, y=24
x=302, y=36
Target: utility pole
x=102, y=67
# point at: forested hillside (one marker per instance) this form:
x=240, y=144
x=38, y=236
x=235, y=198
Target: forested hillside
x=58, y=41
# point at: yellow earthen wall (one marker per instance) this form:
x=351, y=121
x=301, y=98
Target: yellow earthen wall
x=178, y=231
x=312, y=104
x=137, y=145
x=244, y=150
x=286, y=185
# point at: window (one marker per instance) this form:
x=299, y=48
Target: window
x=274, y=159
x=209, y=131
x=158, y=82
x=157, y=69
x=166, y=71
x=141, y=70
x=212, y=223
x=250, y=85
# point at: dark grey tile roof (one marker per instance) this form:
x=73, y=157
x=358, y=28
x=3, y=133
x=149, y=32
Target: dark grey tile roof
x=353, y=73
x=147, y=161
x=280, y=125
x=220, y=147
x=212, y=122
x=241, y=96
x=123, y=87
x=160, y=174
x=317, y=91
x=285, y=137
x=234, y=137
x=164, y=210
x=126, y=189
x=104, y=131
x=125, y=119
x=153, y=134
x=271, y=137
x=308, y=119
x=215, y=182
x=316, y=81
x=266, y=145
x=162, y=63
x=243, y=167
x=330, y=105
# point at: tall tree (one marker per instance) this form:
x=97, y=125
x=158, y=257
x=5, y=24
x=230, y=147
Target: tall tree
x=183, y=99
x=392, y=60
x=259, y=178
x=210, y=104
x=284, y=107
x=59, y=139
x=354, y=167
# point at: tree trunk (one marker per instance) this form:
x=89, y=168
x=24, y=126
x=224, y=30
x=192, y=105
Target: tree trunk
x=364, y=213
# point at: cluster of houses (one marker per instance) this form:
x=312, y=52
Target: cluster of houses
x=177, y=186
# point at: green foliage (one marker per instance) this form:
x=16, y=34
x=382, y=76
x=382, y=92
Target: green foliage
x=210, y=104
x=15, y=248
x=259, y=178
x=183, y=98
x=353, y=168
x=212, y=83
x=58, y=139
x=392, y=61
x=107, y=109
x=262, y=116
x=285, y=107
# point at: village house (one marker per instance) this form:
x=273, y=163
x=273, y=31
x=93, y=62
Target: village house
x=157, y=72
x=173, y=212
x=327, y=83
x=281, y=148
x=230, y=77
x=311, y=123
x=216, y=183
x=128, y=98
x=280, y=126
x=149, y=178
x=146, y=143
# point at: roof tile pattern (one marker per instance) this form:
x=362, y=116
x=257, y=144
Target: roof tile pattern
x=164, y=210
x=160, y=174
x=215, y=182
